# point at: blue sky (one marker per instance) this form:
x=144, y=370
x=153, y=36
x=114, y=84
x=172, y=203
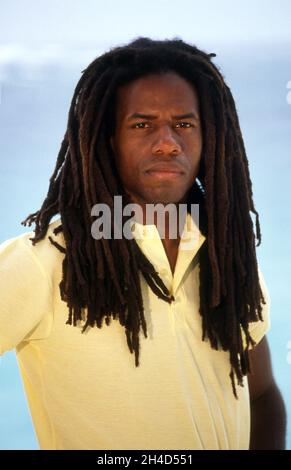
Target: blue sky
x=43, y=49
x=72, y=22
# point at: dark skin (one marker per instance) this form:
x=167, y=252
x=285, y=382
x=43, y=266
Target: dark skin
x=163, y=141
x=145, y=149
x=268, y=413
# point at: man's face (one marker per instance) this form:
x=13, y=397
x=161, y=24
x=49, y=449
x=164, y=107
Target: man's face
x=157, y=150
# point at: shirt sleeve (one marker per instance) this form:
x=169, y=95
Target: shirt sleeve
x=25, y=294
x=259, y=328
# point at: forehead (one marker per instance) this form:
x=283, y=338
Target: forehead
x=156, y=91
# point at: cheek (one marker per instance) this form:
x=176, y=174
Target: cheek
x=128, y=159
x=126, y=167
x=196, y=143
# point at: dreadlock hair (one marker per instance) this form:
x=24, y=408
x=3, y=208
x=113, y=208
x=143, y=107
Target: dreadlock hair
x=102, y=276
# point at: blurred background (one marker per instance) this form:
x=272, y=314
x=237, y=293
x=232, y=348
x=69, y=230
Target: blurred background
x=44, y=46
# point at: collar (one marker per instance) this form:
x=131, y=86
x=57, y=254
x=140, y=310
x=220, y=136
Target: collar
x=149, y=241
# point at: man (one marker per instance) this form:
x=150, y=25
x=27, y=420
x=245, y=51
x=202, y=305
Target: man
x=155, y=123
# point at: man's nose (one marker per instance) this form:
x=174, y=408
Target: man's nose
x=166, y=143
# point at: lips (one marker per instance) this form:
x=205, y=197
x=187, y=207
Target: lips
x=167, y=169
x=164, y=173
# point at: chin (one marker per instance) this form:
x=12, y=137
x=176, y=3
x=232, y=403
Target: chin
x=164, y=198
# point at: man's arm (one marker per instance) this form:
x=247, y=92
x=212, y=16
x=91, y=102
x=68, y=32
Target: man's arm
x=268, y=414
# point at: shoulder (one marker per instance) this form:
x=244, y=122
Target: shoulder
x=23, y=241
x=26, y=285
x=20, y=253
x=26, y=268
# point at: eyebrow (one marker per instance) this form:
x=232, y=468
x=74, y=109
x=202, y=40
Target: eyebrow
x=152, y=116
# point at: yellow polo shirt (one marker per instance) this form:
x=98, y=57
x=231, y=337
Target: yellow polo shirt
x=84, y=390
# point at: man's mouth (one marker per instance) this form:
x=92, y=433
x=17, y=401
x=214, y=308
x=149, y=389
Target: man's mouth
x=160, y=171
x=164, y=174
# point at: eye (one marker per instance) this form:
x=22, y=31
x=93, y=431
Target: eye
x=138, y=124
x=188, y=124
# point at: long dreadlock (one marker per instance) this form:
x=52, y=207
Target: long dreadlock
x=102, y=276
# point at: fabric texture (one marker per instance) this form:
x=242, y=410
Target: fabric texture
x=84, y=390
